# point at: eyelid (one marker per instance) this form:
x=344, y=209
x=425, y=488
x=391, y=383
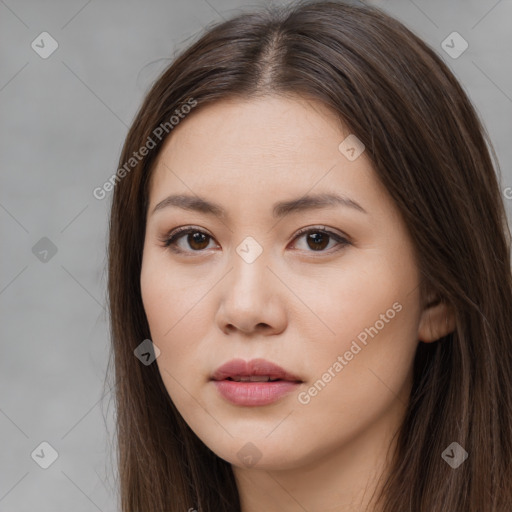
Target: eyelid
x=172, y=236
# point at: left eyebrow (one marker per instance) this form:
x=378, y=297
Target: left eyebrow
x=314, y=202
x=280, y=209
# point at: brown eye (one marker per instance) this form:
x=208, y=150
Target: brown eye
x=317, y=240
x=197, y=239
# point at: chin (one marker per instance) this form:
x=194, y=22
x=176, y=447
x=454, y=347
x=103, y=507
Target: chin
x=261, y=453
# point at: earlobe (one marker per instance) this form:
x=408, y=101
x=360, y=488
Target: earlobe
x=437, y=320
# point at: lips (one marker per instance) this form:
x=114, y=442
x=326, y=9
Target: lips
x=256, y=370
x=254, y=383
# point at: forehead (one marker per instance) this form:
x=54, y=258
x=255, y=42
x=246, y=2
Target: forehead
x=269, y=137
x=261, y=150
x=263, y=112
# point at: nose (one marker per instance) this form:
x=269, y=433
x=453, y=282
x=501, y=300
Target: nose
x=252, y=299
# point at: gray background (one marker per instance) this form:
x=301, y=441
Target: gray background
x=62, y=124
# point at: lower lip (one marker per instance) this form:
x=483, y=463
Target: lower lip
x=254, y=393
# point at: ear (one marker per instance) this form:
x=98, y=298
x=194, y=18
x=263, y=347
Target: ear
x=437, y=320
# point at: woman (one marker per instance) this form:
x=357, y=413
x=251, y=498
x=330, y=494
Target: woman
x=310, y=258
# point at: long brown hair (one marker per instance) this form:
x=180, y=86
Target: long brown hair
x=430, y=150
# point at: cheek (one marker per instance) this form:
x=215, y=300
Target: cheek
x=156, y=300
x=166, y=312
x=349, y=298
x=167, y=295
x=176, y=315
x=370, y=311
x=364, y=373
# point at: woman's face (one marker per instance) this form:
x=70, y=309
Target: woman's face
x=337, y=307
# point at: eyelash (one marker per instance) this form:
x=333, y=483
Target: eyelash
x=170, y=240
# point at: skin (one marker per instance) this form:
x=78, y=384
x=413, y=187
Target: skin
x=298, y=307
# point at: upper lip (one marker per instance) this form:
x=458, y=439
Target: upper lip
x=241, y=368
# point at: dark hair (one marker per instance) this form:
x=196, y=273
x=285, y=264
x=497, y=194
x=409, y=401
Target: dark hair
x=428, y=148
